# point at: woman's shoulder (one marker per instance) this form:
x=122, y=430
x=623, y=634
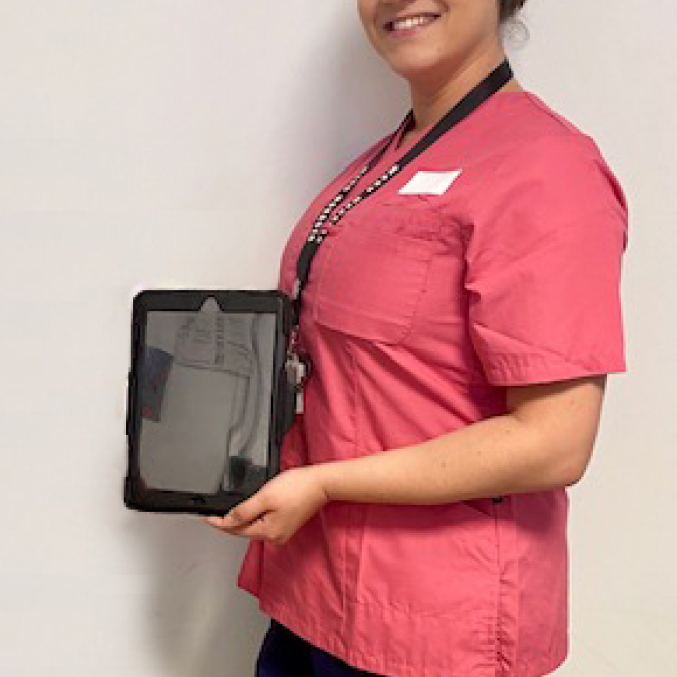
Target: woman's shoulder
x=529, y=142
x=525, y=124
x=542, y=117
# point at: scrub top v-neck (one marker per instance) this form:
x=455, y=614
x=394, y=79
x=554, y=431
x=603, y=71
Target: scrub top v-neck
x=418, y=311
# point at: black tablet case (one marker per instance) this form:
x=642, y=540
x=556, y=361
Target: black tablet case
x=209, y=399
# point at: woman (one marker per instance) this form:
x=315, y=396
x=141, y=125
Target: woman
x=461, y=317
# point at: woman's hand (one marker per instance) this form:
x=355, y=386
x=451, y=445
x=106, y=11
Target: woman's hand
x=278, y=509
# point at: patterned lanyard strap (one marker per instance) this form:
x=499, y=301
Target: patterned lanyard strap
x=480, y=93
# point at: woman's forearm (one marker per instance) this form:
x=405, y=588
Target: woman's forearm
x=491, y=457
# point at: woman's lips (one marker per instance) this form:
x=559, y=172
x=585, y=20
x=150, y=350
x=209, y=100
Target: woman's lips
x=406, y=32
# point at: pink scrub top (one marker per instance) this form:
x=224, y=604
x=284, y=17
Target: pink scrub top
x=418, y=311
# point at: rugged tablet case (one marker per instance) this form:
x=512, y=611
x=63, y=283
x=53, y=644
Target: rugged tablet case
x=147, y=380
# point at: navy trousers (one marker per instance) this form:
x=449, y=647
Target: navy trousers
x=284, y=654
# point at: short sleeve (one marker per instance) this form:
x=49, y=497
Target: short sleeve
x=543, y=263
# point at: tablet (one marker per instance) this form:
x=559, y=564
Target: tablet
x=209, y=399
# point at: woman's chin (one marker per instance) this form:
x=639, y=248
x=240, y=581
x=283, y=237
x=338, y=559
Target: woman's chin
x=413, y=72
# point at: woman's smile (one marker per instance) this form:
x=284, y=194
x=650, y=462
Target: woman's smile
x=409, y=26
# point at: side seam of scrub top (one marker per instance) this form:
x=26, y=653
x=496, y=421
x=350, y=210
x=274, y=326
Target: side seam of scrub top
x=418, y=312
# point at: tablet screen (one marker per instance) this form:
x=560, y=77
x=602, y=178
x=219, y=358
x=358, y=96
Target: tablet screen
x=205, y=397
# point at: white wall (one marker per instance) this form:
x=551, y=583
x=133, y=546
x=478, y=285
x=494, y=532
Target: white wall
x=174, y=143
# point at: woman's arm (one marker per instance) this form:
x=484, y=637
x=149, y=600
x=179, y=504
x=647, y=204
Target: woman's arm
x=545, y=441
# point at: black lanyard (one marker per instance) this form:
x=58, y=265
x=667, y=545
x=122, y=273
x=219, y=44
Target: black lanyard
x=480, y=93
x=298, y=360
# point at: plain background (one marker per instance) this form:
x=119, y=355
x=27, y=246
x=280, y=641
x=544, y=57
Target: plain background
x=168, y=143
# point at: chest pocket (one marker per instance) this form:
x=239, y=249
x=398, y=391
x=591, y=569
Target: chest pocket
x=375, y=269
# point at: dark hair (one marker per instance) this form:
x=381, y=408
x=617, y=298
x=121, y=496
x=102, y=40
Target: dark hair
x=507, y=9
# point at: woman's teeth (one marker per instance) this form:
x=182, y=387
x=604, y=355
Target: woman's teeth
x=411, y=22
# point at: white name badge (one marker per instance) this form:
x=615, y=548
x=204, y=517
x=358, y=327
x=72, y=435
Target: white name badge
x=431, y=183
